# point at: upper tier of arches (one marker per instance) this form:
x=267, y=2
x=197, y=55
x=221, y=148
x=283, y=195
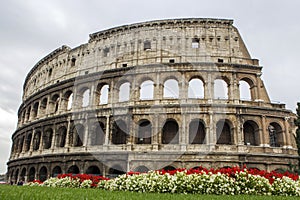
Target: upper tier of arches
x=172, y=86
x=170, y=41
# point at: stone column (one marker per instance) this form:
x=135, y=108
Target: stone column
x=265, y=132
x=111, y=93
x=287, y=138
x=240, y=130
x=182, y=133
x=209, y=88
x=155, y=131
x=235, y=90
x=67, y=143
x=86, y=133
x=53, y=145
x=158, y=88
x=107, y=131
x=32, y=139
x=24, y=144
x=41, y=146
x=258, y=81
x=211, y=133
x=92, y=96
x=183, y=89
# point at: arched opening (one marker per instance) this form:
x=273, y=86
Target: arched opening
x=36, y=140
x=141, y=169
x=35, y=110
x=245, y=93
x=55, y=103
x=170, y=134
x=47, y=138
x=196, y=89
x=250, y=129
x=220, y=89
x=169, y=168
x=15, y=146
x=16, y=176
x=103, y=96
x=61, y=136
x=73, y=170
x=171, y=89
x=23, y=174
x=223, y=132
x=119, y=135
x=197, y=132
x=69, y=99
x=147, y=90
x=43, y=106
x=12, y=176
x=28, y=142
x=124, y=92
x=144, y=132
x=56, y=171
x=31, y=175
x=86, y=98
x=20, y=145
x=43, y=174
x=98, y=135
x=78, y=135
x=23, y=117
x=275, y=134
x=115, y=171
x=93, y=170
x=28, y=113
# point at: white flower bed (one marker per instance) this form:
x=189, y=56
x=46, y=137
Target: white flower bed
x=206, y=183
x=230, y=182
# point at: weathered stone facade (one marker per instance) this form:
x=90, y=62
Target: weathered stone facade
x=144, y=97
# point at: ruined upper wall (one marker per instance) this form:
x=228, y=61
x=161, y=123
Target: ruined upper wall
x=161, y=41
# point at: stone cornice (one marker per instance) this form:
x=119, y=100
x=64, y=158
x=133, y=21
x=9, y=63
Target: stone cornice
x=103, y=34
x=50, y=56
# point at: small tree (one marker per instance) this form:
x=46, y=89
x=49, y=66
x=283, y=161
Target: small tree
x=297, y=123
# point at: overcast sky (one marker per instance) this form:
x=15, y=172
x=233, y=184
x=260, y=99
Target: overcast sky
x=31, y=29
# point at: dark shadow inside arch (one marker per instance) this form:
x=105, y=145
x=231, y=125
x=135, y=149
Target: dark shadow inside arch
x=47, y=138
x=169, y=168
x=78, y=135
x=197, y=132
x=275, y=134
x=93, y=170
x=223, y=133
x=119, y=135
x=144, y=132
x=98, y=134
x=73, y=170
x=36, y=140
x=115, y=171
x=170, y=134
x=251, y=133
x=43, y=174
x=56, y=171
x=31, y=175
x=23, y=174
x=141, y=169
x=61, y=136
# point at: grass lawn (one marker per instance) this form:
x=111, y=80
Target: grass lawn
x=36, y=193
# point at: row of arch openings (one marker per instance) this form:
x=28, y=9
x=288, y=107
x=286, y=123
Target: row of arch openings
x=170, y=90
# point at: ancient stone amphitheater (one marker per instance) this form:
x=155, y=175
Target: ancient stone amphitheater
x=159, y=94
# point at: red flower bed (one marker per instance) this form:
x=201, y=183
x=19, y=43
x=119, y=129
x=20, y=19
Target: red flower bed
x=82, y=177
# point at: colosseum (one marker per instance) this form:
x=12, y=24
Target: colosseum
x=162, y=94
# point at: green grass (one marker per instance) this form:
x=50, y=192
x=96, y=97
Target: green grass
x=36, y=193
